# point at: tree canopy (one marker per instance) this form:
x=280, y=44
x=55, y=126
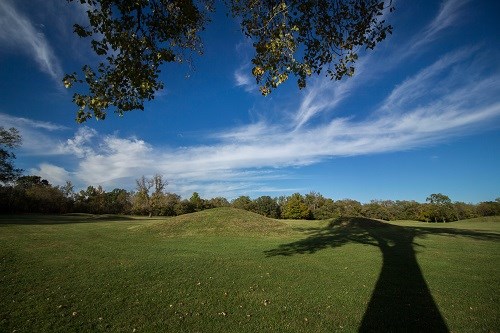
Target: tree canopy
x=9, y=139
x=133, y=38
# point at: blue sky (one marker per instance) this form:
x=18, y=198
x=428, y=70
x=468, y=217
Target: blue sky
x=420, y=116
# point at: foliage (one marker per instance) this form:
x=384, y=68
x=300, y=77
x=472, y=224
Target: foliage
x=314, y=201
x=489, y=208
x=326, y=211
x=218, y=202
x=134, y=38
x=197, y=202
x=303, y=37
x=149, y=197
x=9, y=139
x=295, y=208
x=170, y=204
x=348, y=207
x=243, y=202
x=439, y=208
x=32, y=194
x=378, y=210
x=266, y=206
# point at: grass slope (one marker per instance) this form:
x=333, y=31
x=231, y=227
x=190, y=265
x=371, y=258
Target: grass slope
x=221, y=222
x=208, y=275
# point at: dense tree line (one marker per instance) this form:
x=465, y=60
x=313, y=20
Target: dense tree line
x=32, y=194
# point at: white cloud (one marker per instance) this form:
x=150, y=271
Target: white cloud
x=449, y=15
x=25, y=122
x=450, y=97
x=79, y=145
x=243, y=79
x=37, y=136
x=323, y=95
x=17, y=31
x=107, y=159
x=454, y=95
x=54, y=174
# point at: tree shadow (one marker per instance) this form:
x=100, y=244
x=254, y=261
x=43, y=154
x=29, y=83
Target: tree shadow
x=401, y=300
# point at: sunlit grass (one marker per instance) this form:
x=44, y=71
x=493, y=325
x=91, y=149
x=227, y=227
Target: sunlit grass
x=182, y=275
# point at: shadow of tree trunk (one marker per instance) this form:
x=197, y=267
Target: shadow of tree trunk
x=401, y=300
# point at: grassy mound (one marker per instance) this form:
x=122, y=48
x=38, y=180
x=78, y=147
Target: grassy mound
x=221, y=221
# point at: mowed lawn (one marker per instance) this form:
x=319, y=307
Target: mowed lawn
x=227, y=270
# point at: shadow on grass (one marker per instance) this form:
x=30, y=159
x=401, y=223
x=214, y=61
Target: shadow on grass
x=36, y=219
x=401, y=300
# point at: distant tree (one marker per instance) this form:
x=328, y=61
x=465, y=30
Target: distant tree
x=291, y=37
x=348, y=207
x=243, y=202
x=314, y=201
x=197, y=202
x=171, y=203
x=32, y=194
x=440, y=208
x=68, y=189
x=144, y=202
x=9, y=139
x=142, y=199
x=184, y=207
x=118, y=201
x=438, y=199
x=378, y=209
x=26, y=182
x=407, y=210
x=488, y=208
x=157, y=199
x=327, y=211
x=266, y=206
x=92, y=200
x=218, y=202
x=281, y=200
x=295, y=208
x=463, y=211
x=8, y=199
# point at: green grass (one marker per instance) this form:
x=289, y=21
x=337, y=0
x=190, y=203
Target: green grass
x=226, y=270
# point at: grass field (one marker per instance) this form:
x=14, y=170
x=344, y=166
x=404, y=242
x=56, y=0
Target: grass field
x=227, y=270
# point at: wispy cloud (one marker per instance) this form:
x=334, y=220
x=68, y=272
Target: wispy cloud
x=456, y=94
x=242, y=75
x=323, y=95
x=25, y=122
x=449, y=15
x=37, y=136
x=243, y=79
x=255, y=153
x=17, y=31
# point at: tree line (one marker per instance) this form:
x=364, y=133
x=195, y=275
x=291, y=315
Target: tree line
x=32, y=194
